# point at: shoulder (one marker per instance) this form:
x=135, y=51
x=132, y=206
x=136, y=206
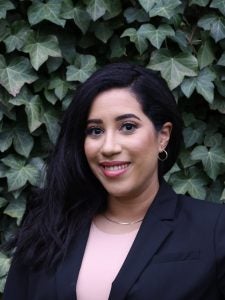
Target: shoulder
x=168, y=195
x=201, y=204
x=201, y=209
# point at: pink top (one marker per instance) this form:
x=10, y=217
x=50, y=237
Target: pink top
x=103, y=258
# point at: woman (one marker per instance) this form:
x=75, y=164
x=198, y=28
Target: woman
x=106, y=225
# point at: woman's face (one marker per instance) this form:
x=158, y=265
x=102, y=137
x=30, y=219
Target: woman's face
x=122, y=145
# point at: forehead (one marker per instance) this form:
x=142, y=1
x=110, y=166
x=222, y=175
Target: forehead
x=115, y=100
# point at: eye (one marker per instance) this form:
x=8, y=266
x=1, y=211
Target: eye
x=94, y=131
x=128, y=127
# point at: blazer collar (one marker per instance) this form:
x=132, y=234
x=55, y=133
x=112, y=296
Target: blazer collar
x=152, y=233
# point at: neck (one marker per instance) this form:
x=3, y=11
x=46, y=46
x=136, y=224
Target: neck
x=131, y=208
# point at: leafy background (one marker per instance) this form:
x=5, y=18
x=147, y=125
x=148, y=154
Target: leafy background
x=48, y=47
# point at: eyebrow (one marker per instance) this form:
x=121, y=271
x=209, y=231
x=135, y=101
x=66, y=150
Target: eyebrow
x=119, y=118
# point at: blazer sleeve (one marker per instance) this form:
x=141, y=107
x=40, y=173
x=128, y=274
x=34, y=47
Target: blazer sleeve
x=220, y=250
x=17, y=283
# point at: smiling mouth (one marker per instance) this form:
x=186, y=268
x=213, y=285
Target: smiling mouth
x=115, y=167
x=111, y=169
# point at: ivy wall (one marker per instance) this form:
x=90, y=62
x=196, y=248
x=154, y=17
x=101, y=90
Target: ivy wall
x=48, y=47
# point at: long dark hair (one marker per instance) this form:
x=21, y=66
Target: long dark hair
x=72, y=195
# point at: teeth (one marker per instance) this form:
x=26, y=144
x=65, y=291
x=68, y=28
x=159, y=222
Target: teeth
x=115, y=168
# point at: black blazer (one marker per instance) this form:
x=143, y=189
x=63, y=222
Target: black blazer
x=178, y=254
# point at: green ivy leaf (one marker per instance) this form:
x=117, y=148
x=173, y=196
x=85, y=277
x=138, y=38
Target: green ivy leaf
x=96, y=8
x=3, y=170
x=165, y=8
x=113, y=8
x=50, y=11
x=6, y=138
x=3, y=202
x=147, y=4
x=4, y=264
x=194, y=134
x=53, y=63
x=5, y=5
x=218, y=29
x=191, y=136
x=200, y=2
x=103, y=32
x=219, y=4
x=218, y=104
x=4, y=29
x=181, y=39
x=221, y=61
x=6, y=108
x=50, y=96
x=22, y=140
x=211, y=159
x=188, y=86
x=215, y=24
x=205, y=54
x=16, y=209
x=80, y=16
x=19, y=136
x=40, y=47
x=39, y=165
x=83, y=67
x=66, y=101
x=192, y=183
x=19, y=173
x=202, y=83
x=157, y=36
x=60, y=87
x=33, y=107
x=82, y=19
x=220, y=86
x=137, y=38
x=206, y=21
x=13, y=161
x=185, y=159
x=188, y=119
x=133, y=14
x=223, y=195
x=14, y=75
x=214, y=191
x=173, y=68
x=213, y=139
x=117, y=47
x=51, y=120
x=67, y=44
x=16, y=194
x=2, y=284
x=18, y=36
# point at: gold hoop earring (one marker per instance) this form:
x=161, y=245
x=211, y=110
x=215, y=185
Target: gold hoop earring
x=164, y=157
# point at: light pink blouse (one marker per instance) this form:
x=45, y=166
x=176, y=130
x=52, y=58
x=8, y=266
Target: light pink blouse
x=103, y=258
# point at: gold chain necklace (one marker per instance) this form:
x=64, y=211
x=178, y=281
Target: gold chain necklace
x=122, y=223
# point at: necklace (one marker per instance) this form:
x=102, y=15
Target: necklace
x=122, y=223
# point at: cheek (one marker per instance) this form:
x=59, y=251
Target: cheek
x=86, y=150
x=144, y=145
x=89, y=150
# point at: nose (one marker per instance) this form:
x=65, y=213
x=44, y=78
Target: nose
x=110, y=145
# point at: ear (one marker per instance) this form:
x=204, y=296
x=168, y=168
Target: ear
x=164, y=135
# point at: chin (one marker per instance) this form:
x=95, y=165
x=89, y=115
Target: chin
x=119, y=193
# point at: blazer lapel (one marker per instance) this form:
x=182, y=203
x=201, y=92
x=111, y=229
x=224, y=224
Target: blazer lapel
x=68, y=270
x=153, y=232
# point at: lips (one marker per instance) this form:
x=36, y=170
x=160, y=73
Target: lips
x=114, y=169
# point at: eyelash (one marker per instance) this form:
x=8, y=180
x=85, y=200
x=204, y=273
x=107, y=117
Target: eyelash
x=91, y=131
x=133, y=125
